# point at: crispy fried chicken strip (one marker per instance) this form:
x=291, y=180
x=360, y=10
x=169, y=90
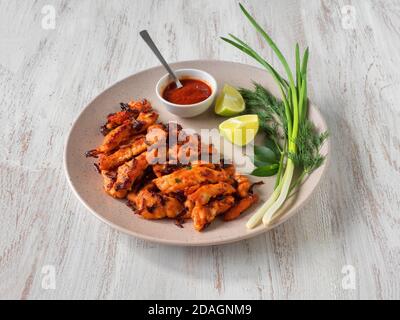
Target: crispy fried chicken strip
x=152, y=205
x=140, y=106
x=159, y=169
x=201, y=163
x=129, y=172
x=189, y=205
x=164, y=169
x=240, y=207
x=109, y=178
x=118, y=118
x=145, y=120
x=124, y=132
x=203, y=194
x=229, y=169
x=184, y=178
x=137, y=146
x=204, y=215
x=129, y=112
x=156, y=133
x=191, y=189
x=244, y=185
x=113, y=139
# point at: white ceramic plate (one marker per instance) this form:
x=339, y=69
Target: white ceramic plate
x=87, y=184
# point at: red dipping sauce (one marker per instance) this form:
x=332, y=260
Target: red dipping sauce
x=193, y=91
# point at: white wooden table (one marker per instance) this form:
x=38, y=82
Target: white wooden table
x=344, y=244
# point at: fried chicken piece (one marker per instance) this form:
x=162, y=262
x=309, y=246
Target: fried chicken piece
x=203, y=194
x=229, y=169
x=134, y=148
x=109, y=178
x=189, y=205
x=202, y=163
x=184, y=178
x=147, y=176
x=168, y=208
x=124, y=132
x=132, y=196
x=240, y=207
x=191, y=189
x=145, y=120
x=156, y=133
x=170, y=132
x=164, y=169
x=159, y=169
x=129, y=112
x=140, y=106
x=118, y=118
x=113, y=139
x=129, y=172
x=151, y=204
x=204, y=215
x=244, y=185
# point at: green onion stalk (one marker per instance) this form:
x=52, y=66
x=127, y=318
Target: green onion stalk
x=294, y=98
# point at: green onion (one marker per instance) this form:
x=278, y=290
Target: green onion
x=300, y=145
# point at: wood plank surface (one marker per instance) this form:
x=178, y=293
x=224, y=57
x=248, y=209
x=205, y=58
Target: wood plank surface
x=47, y=76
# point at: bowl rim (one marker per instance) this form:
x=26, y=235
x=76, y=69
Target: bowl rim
x=214, y=89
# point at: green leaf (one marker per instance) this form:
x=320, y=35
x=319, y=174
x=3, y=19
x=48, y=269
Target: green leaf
x=242, y=46
x=305, y=62
x=272, y=145
x=298, y=74
x=257, y=57
x=271, y=43
x=265, y=154
x=261, y=163
x=266, y=171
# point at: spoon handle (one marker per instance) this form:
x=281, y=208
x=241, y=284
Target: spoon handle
x=146, y=37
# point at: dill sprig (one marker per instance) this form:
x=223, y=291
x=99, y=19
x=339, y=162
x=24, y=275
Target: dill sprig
x=309, y=143
x=270, y=111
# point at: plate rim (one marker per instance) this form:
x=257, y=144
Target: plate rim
x=257, y=231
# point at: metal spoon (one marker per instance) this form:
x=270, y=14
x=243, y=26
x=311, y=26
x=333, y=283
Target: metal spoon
x=146, y=37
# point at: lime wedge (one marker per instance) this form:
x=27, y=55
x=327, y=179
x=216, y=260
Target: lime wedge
x=229, y=102
x=240, y=130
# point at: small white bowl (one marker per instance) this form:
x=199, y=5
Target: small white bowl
x=188, y=110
